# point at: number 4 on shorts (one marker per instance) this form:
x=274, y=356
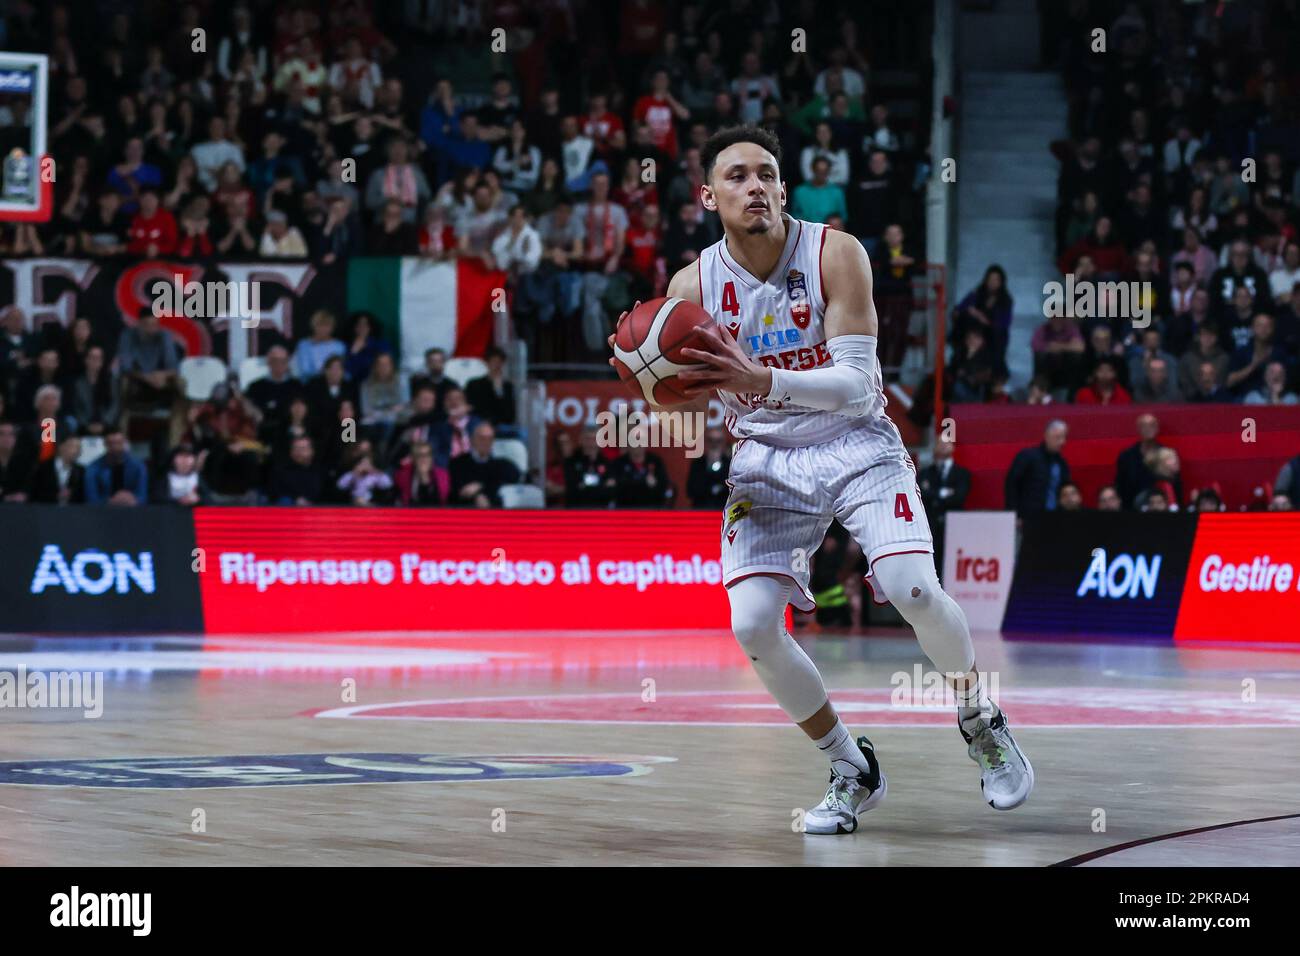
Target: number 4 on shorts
x=901, y=508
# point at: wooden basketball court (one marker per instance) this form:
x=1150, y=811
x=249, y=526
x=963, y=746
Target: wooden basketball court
x=636, y=749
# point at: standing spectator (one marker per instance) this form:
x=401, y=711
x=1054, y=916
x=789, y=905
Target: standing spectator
x=434, y=376
x=393, y=236
x=989, y=306
x=60, y=480
x=1037, y=474
x=400, y=181
x=752, y=88
x=492, y=396
x=133, y=175
x=687, y=237
x=944, y=485
x=328, y=390
x=604, y=128
x=641, y=480
x=706, y=481
x=660, y=111
x=477, y=476
x=873, y=200
x=480, y=226
x=43, y=373
x=576, y=152
x=518, y=161
x=824, y=147
x=116, y=477
x=148, y=362
x=217, y=150
x=517, y=249
x=893, y=267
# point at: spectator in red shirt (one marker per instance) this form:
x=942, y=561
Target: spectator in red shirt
x=153, y=230
x=633, y=193
x=1103, y=387
x=1103, y=247
x=660, y=111
x=604, y=128
x=643, y=259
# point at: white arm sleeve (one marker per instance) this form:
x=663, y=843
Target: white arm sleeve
x=851, y=386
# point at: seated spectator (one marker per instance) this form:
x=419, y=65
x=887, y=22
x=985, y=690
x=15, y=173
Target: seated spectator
x=391, y=235
x=817, y=199
x=133, y=175
x=1274, y=390
x=365, y=344
x=1283, y=280
x=643, y=262
x=973, y=367
x=437, y=236
x=1036, y=474
x=1198, y=256
x=1158, y=385
x=181, y=484
x=1133, y=472
x=477, y=476
x=1207, y=499
x=232, y=193
x=434, y=375
x=116, y=477
x=60, y=480
x=297, y=422
x=1205, y=348
x=273, y=392
x=874, y=199
x=517, y=249
x=1246, y=367
x=420, y=482
x=1237, y=320
x=555, y=462
x=1102, y=247
x=1166, y=479
x=327, y=390
x=224, y=432
x=1154, y=500
x=824, y=147
x=706, y=480
x=1069, y=498
x=281, y=240
x=298, y=480
x=1151, y=347
x=193, y=241
x=16, y=464
x=238, y=237
x=686, y=238
x=990, y=307
x=1280, y=503
x=1103, y=386
x=417, y=425
x=641, y=480
x=364, y=483
x=50, y=424
x=210, y=155
x=384, y=395
x=399, y=181
x=1209, y=386
x=153, y=230
x=104, y=230
x=492, y=396
x=588, y=475
x=1108, y=499
x=338, y=235
x=1240, y=272
x=148, y=362
x=40, y=374
x=1058, y=353
x=452, y=437
x=310, y=354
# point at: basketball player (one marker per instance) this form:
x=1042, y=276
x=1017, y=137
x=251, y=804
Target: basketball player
x=793, y=359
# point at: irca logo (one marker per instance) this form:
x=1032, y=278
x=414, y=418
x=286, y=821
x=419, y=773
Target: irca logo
x=1123, y=576
x=93, y=572
x=976, y=569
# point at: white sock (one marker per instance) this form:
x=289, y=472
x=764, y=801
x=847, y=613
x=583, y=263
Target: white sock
x=971, y=702
x=846, y=758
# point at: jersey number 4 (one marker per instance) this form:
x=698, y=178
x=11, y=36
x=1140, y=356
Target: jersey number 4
x=730, y=304
x=901, y=508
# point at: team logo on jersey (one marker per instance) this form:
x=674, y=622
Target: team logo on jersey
x=734, y=329
x=735, y=513
x=797, y=288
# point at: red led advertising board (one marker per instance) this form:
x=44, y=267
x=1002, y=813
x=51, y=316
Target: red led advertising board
x=287, y=570
x=1243, y=580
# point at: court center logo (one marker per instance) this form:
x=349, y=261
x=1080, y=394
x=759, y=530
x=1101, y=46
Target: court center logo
x=300, y=770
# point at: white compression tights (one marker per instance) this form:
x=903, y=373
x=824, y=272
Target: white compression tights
x=758, y=621
x=913, y=588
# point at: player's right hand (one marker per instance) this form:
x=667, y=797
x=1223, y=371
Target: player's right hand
x=621, y=317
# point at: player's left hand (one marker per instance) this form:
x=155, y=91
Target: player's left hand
x=728, y=368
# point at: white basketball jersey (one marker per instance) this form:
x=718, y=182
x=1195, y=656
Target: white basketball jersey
x=779, y=323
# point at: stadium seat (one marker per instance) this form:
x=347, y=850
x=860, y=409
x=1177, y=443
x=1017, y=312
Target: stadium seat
x=522, y=496
x=462, y=370
x=92, y=447
x=251, y=369
x=512, y=449
x=201, y=374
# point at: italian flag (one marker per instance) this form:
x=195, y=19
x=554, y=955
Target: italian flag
x=421, y=304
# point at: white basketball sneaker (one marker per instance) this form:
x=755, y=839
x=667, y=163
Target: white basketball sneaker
x=848, y=797
x=1006, y=776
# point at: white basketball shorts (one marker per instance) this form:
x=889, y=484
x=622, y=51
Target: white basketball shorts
x=783, y=499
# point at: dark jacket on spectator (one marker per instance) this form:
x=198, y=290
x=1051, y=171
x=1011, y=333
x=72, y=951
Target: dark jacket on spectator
x=492, y=473
x=706, y=482
x=934, y=480
x=46, y=487
x=291, y=481
x=488, y=404
x=588, y=482
x=1132, y=476
x=646, y=485
x=1030, y=478
x=99, y=479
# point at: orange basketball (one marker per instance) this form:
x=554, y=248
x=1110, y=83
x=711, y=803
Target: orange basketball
x=648, y=343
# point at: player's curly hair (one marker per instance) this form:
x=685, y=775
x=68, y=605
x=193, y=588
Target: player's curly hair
x=732, y=135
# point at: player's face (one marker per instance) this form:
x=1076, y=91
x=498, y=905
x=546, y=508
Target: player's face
x=745, y=188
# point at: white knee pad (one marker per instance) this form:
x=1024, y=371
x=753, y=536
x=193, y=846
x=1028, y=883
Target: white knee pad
x=758, y=621
x=940, y=624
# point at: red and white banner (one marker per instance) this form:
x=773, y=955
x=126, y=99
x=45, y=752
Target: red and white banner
x=284, y=570
x=978, y=560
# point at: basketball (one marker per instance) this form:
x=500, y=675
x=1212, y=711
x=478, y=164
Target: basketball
x=648, y=343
